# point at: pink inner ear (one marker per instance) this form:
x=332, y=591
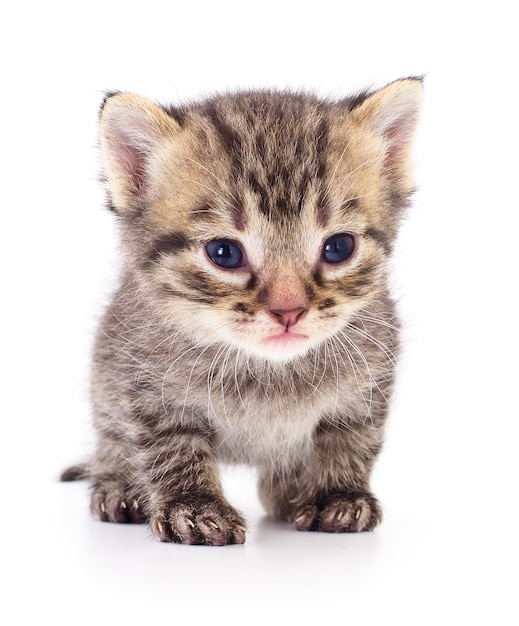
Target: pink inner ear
x=131, y=157
x=396, y=120
x=398, y=135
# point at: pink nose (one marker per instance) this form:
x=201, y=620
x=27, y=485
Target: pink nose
x=289, y=317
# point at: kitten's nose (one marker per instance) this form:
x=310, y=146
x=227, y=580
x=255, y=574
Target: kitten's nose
x=289, y=317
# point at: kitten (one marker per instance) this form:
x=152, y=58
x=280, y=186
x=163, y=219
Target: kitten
x=253, y=322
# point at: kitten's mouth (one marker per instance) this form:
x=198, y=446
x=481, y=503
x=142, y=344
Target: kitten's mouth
x=285, y=338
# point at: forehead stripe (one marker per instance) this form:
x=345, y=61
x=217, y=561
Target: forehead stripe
x=171, y=243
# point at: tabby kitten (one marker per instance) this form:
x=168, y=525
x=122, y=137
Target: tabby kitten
x=253, y=322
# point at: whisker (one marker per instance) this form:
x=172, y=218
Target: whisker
x=170, y=367
x=378, y=321
x=218, y=180
x=210, y=377
x=369, y=337
x=191, y=376
x=206, y=187
x=355, y=368
x=337, y=165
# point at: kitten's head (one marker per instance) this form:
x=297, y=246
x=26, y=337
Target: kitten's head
x=262, y=220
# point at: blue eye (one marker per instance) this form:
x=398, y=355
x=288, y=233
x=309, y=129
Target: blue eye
x=225, y=253
x=338, y=248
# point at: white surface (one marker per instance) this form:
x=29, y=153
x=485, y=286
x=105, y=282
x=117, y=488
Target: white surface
x=447, y=551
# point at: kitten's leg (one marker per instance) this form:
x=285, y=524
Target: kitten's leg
x=172, y=482
x=330, y=491
x=184, y=498
x=114, y=494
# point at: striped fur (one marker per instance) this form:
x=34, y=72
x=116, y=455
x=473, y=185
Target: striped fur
x=285, y=362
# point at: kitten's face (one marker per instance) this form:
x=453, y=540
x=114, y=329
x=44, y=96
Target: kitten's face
x=260, y=221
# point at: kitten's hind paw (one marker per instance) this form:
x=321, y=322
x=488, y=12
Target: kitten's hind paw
x=341, y=513
x=210, y=523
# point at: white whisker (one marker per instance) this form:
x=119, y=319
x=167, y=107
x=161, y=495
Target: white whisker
x=213, y=191
x=355, y=368
x=218, y=180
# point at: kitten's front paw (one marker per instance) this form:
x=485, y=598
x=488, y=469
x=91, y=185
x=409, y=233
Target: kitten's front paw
x=111, y=503
x=208, y=522
x=348, y=512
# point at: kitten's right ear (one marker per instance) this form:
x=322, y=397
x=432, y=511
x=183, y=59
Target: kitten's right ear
x=391, y=114
x=132, y=131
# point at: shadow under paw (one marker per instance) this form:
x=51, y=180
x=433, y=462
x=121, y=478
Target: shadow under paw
x=340, y=513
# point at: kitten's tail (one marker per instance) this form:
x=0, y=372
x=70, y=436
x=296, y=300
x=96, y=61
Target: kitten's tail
x=76, y=472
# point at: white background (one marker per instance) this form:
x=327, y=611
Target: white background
x=447, y=551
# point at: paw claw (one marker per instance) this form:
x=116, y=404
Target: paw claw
x=347, y=512
x=210, y=523
x=239, y=534
x=160, y=529
x=110, y=503
x=305, y=518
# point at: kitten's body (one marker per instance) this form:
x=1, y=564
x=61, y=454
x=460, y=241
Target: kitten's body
x=253, y=323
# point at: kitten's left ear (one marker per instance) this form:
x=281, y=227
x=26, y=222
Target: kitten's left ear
x=391, y=113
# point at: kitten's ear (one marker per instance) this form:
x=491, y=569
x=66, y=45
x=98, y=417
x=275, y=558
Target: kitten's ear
x=132, y=131
x=391, y=113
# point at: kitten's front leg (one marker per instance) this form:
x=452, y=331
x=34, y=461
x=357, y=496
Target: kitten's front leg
x=184, y=498
x=330, y=491
x=169, y=480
